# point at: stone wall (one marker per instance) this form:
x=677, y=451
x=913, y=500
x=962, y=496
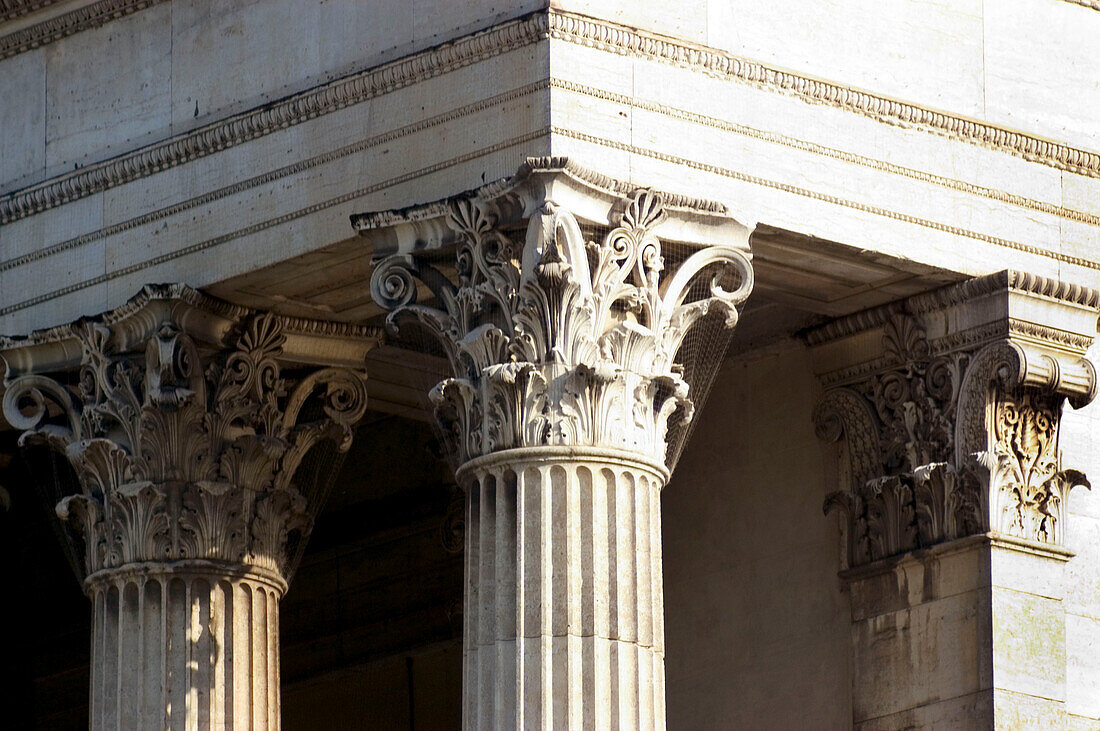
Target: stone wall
x=756, y=624
x=1081, y=441
x=176, y=66
x=1012, y=63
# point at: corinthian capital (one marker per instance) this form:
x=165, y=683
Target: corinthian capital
x=561, y=311
x=951, y=426
x=190, y=425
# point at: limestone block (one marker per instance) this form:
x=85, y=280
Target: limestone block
x=1019, y=710
x=26, y=238
x=1081, y=193
x=1041, y=62
x=1029, y=633
x=93, y=108
x=930, y=54
x=955, y=713
x=263, y=51
x=22, y=118
x=1042, y=576
x=1083, y=666
x=260, y=51
x=687, y=20
x=934, y=651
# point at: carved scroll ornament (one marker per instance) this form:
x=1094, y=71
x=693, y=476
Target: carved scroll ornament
x=556, y=340
x=944, y=446
x=181, y=454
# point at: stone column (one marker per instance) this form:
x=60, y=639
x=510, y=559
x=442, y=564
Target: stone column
x=564, y=596
x=200, y=467
x=954, y=494
x=567, y=393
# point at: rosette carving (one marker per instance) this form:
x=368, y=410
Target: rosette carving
x=181, y=453
x=559, y=340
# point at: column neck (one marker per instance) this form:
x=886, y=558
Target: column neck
x=520, y=458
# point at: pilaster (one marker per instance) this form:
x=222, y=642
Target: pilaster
x=953, y=492
x=570, y=394
x=202, y=438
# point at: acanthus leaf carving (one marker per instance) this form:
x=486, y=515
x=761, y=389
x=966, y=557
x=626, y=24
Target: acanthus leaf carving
x=559, y=340
x=942, y=446
x=180, y=461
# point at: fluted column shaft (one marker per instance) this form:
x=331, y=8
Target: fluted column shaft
x=185, y=645
x=564, y=599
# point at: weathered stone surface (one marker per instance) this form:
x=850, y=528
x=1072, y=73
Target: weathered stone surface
x=197, y=469
x=886, y=148
x=567, y=405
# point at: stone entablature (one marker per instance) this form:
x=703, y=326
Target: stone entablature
x=949, y=406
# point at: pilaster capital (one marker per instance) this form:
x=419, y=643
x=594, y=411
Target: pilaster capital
x=189, y=424
x=562, y=300
x=949, y=404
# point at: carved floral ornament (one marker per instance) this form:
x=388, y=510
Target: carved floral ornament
x=945, y=445
x=181, y=453
x=556, y=339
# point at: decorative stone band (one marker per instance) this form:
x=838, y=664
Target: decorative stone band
x=530, y=29
x=553, y=338
x=564, y=619
x=79, y=17
x=185, y=644
x=949, y=405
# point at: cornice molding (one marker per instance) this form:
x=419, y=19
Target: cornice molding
x=1007, y=280
x=795, y=143
x=503, y=38
x=640, y=44
x=271, y=117
x=270, y=176
x=61, y=26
